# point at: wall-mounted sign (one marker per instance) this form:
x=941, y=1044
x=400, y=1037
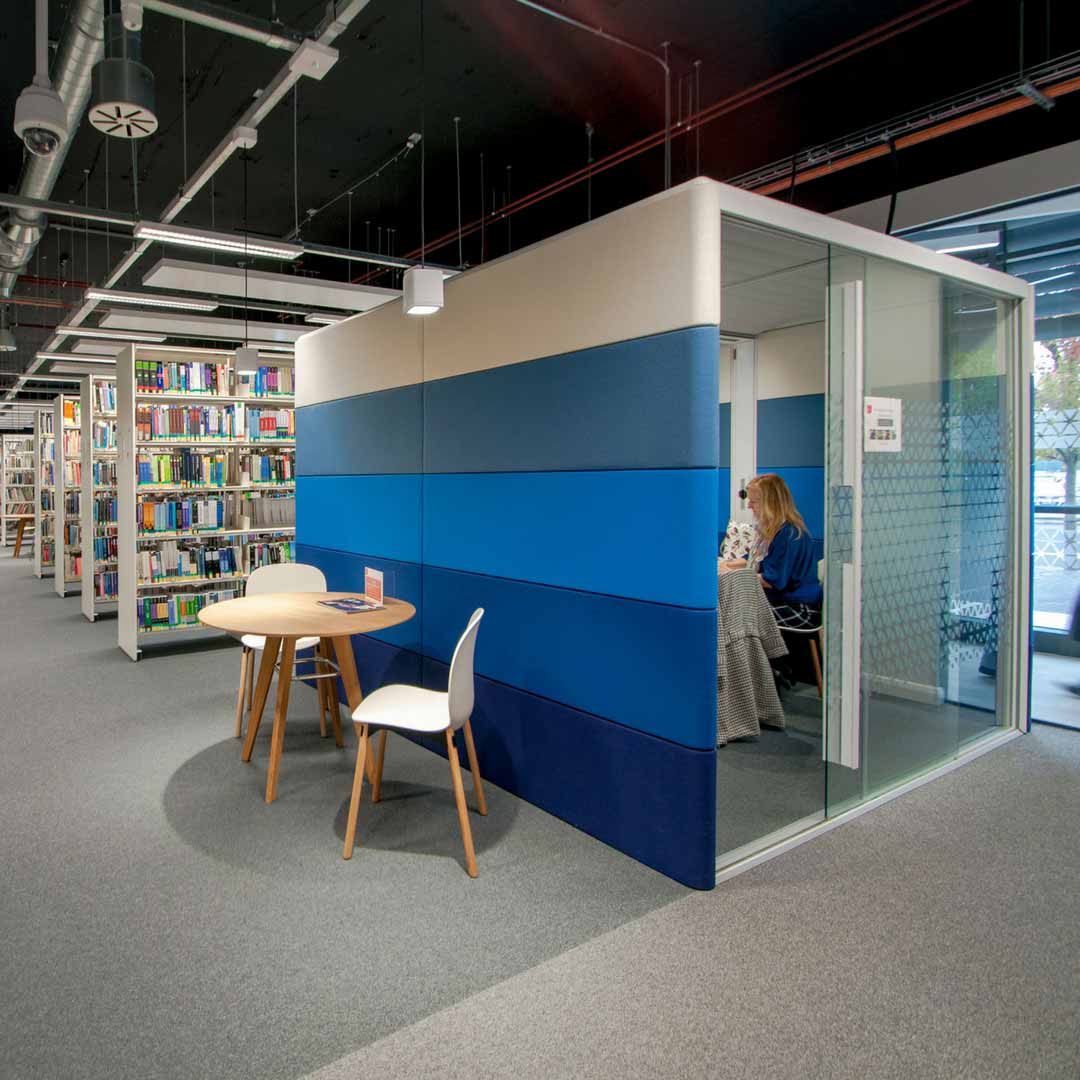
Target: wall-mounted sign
x=883, y=425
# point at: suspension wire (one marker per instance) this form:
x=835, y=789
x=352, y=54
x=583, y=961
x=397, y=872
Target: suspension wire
x=86, y=225
x=244, y=213
x=213, y=217
x=506, y=201
x=348, y=239
x=295, y=158
x=457, y=161
x=697, y=109
x=183, y=91
x=423, y=134
x=483, y=209
x=589, y=129
x=895, y=184
x=135, y=174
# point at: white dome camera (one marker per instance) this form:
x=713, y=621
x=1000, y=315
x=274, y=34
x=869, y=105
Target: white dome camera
x=41, y=119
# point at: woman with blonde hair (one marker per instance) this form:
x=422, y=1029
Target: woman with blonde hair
x=783, y=553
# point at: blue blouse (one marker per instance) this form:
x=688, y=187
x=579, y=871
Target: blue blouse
x=789, y=566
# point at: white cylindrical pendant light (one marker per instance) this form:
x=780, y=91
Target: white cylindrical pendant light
x=423, y=290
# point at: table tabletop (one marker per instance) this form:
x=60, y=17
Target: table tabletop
x=296, y=615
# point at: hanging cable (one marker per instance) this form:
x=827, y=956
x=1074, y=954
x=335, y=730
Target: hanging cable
x=483, y=211
x=697, y=109
x=108, y=231
x=457, y=161
x=183, y=92
x=506, y=202
x=244, y=215
x=135, y=174
x=295, y=160
x=895, y=185
x=423, y=133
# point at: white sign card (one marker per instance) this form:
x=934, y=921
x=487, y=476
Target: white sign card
x=373, y=585
x=883, y=425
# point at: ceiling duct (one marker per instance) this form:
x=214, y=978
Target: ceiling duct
x=80, y=49
x=123, y=104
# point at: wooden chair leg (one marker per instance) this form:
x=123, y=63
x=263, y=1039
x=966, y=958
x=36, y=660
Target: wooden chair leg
x=19, y=537
x=241, y=693
x=357, y=789
x=478, y=787
x=462, y=807
x=262, y=688
x=320, y=687
x=376, y=783
x=251, y=682
x=281, y=712
x=817, y=666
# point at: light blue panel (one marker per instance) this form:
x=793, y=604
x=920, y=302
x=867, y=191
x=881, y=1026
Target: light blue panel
x=650, y=667
x=367, y=434
x=808, y=490
x=377, y=515
x=791, y=432
x=644, y=403
x=648, y=535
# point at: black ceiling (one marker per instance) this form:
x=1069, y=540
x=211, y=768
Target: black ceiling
x=525, y=86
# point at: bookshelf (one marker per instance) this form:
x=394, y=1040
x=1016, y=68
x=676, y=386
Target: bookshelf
x=16, y=484
x=100, y=577
x=44, y=493
x=67, y=441
x=206, y=482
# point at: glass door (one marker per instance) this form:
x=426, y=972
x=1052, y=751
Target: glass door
x=921, y=455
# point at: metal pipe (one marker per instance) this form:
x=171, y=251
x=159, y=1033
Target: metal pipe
x=82, y=47
x=57, y=209
x=228, y=22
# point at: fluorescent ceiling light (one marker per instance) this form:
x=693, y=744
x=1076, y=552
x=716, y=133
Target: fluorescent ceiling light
x=974, y=310
x=216, y=241
x=212, y=327
x=308, y=292
x=969, y=241
x=1053, y=277
x=114, y=335
x=271, y=346
x=98, y=348
x=981, y=246
x=323, y=320
x=71, y=356
x=115, y=296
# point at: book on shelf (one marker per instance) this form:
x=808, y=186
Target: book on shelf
x=104, y=473
x=72, y=413
x=265, y=381
x=186, y=467
x=106, y=584
x=104, y=397
x=168, y=611
x=173, y=559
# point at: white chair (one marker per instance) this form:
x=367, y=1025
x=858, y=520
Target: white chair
x=281, y=578
x=425, y=712
x=814, y=633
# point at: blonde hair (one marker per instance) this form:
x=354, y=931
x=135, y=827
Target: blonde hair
x=777, y=506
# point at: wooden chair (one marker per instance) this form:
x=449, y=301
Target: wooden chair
x=426, y=712
x=289, y=577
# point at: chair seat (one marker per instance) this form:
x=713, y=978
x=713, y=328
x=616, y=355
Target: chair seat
x=257, y=641
x=408, y=708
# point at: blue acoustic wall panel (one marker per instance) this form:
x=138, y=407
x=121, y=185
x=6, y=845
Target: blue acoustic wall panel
x=791, y=432
x=639, y=404
x=723, y=454
x=379, y=515
x=642, y=795
x=645, y=534
x=345, y=573
x=646, y=666
x=370, y=433
x=807, y=488
x=723, y=502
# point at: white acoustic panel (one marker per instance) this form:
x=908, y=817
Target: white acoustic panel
x=202, y=326
x=99, y=348
x=205, y=278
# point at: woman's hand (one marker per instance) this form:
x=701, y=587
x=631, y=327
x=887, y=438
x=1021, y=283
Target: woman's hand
x=733, y=564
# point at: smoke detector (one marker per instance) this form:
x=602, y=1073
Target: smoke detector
x=123, y=98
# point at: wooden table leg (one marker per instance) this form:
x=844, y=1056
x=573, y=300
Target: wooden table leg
x=357, y=789
x=351, y=682
x=18, y=537
x=329, y=650
x=277, y=738
x=262, y=688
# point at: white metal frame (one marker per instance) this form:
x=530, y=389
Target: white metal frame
x=9, y=450
x=90, y=602
x=1013, y=687
x=61, y=583
x=129, y=635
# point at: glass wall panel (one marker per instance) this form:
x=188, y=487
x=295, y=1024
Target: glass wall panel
x=932, y=525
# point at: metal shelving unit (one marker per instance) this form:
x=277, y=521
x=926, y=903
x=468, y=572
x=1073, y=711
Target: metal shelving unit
x=16, y=484
x=99, y=452
x=67, y=424
x=44, y=492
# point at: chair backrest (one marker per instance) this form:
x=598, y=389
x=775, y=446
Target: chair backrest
x=286, y=577
x=821, y=571
x=461, y=673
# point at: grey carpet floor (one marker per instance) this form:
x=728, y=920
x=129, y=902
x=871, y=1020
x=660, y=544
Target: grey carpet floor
x=158, y=920
x=937, y=937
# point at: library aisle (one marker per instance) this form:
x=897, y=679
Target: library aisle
x=146, y=879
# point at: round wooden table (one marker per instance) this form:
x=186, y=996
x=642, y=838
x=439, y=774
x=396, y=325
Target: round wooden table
x=282, y=618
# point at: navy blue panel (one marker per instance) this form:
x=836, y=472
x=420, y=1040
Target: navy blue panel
x=647, y=535
x=790, y=432
x=724, y=496
x=652, y=800
x=345, y=573
x=638, y=404
x=379, y=515
x=808, y=490
x=646, y=666
x=724, y=435
x=367, y=434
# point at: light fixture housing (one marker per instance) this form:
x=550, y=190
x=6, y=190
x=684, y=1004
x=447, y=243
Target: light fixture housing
x=123, y=103
x=117, y=296
x=7, y=340
x=186, y=236
x=272, y=346
x=422, y=290
x=315, y=319
x=113, y=335
x=77, y=358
